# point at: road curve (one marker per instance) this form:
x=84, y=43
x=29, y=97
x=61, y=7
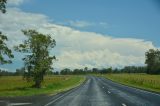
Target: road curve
x=102, y=92
x=96, y=91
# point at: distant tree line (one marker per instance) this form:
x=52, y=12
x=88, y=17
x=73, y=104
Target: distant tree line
x=6, y=73
x=22, y=72
x=19, y=72
x=127, y=69
x=152, y=67
x=152, y=62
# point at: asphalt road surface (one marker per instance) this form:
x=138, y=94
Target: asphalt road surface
x=95, y=91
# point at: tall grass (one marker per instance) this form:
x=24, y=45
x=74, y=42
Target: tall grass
x=16, y=86
x=144, y=81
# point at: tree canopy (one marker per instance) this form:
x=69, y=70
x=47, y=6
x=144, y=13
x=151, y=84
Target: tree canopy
x=37, y=61
x=4, y=50
x=153, y=61
x=3, y=6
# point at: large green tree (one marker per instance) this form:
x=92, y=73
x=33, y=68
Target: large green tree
x=3, y=6
x=4, y=50
x=37, y=59
x=153, y=61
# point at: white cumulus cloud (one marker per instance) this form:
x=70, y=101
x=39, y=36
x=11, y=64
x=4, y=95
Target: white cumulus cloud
x=84, y=24
x=76, y=49
x=80, y=24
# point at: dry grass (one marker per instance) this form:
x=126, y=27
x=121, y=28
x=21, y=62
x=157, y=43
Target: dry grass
x=16, y=86
x=144, y=81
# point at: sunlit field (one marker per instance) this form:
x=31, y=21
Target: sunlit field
x=16, y=86
x=144, y=81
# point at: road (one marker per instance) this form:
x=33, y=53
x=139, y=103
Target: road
x=98, y=91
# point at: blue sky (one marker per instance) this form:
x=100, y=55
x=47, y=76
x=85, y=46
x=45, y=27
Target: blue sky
x=123, y=18
x=89, y=33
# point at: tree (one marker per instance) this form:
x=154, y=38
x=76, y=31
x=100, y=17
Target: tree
x=85, y=69
x=134, y=69
x=56, y=73
x=78, y=71
x=66, y=71
x=3, y=6
x=6, y=73
x=109, y=70
x=103, y=71
x=37, y=61
x=4, y=50
x=95, y=70
x=153, y=61
x=20, y=71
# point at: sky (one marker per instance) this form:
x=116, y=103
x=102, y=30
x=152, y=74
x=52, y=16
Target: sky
x=89, y=33
x=122, y=18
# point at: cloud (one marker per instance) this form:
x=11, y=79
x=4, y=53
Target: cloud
x=80, y=24
x=75, y=49
x=104, y=24
x=83, y=24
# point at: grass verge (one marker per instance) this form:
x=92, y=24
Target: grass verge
x=11, y=86
x=142, y=81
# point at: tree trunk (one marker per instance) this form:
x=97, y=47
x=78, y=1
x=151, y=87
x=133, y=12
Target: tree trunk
x=37, y=84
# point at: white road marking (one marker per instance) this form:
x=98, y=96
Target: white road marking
x=19, y=104
x=58, y=98
x=109, y=92
x=124, y=104
x=137, y=89
x=64, y=95
x=53, y=101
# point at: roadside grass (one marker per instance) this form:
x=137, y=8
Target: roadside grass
x=11, y=86
x=143, y=81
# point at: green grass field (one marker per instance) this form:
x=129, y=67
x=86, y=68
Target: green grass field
x=143, y=81
x=16, y=86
